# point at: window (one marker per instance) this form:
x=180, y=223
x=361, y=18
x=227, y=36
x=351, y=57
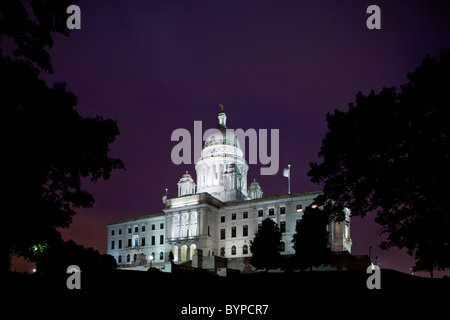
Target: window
x=233, y=250
x=222, y=219
x=282, y=210
x=282, y=226
x=245, y=249
x=260, y=213
x=153, y=227
x=161, y=255
x=161, y=225
x=135, y=257
x=222, y=234
x=112, y=232
x=136, y=242
x=136, y=229
x=233, y=216
x=112, y=245
x=128, y=258
x=120, y=244
x=299, y=208
x=245, y=231
x=143, y=241
x=129, y=229
x=143, y=228
x=129, y=243
x=282, y=247
x=209, y=235
x=245, y=215
x=233, y=232
x=161, y=239
x=259, y=226
x=222, y=252
x=271, y=212
x=120, y=231
x=153, y=240
x=119, y=259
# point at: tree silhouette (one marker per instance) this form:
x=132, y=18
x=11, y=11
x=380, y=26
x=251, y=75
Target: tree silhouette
x=389, y=154
x=57, y=258
x=266, y=246
x=47, y=146
x=311, y=239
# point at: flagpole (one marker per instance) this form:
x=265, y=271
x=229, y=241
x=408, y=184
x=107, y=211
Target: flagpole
x=289, y=179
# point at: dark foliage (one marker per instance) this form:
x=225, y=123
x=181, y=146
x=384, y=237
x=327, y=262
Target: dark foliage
x=389, y=154
x=48, y=147
x=57, y=258
x=311, y=239
x=266, y=246
x=31, y=25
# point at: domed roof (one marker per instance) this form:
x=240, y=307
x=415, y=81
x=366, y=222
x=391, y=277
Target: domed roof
x=222, y=136
x=254, y=185
x=186, y=177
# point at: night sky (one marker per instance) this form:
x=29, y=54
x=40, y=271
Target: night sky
x=155, y=66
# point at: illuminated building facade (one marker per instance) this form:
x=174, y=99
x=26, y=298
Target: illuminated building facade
x=217, y=216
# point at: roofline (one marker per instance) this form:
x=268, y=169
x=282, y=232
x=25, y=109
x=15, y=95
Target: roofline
x=135, y=218
x=278, y=196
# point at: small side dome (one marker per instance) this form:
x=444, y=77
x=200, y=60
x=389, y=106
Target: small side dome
x=186, y=185
x=186, y=176
x=254, y=190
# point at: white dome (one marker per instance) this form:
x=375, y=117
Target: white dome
x=222, y=136
x=186, y=177
x=222, y=169
x=254, y=190
x=254, y=184
x=186, y=185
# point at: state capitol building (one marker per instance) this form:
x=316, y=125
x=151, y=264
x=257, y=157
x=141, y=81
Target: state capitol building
x=213, y=220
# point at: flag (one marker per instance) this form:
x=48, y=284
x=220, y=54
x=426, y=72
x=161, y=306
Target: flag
x=287, y=172
x=164, y=198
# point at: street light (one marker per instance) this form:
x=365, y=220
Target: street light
x=151, y=259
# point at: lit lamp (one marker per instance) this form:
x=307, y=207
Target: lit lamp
x=151, y=259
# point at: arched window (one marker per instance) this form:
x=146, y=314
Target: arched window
x=233, y=250
x=128, y=258
x=135, y=257
x=245, y=249
x=161, y=255
x=119, y=259
x=222, y=252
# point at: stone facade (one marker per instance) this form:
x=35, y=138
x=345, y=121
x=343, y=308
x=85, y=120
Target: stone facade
x=220, y=218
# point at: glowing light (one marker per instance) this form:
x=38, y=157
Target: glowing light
x=39, y=247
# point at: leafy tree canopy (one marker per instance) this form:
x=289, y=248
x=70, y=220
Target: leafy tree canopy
x=266, y=246
x=389, y=154
x=47, y=146
x=310, y=240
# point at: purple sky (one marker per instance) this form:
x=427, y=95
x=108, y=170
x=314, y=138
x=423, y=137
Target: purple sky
x=155, y=66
